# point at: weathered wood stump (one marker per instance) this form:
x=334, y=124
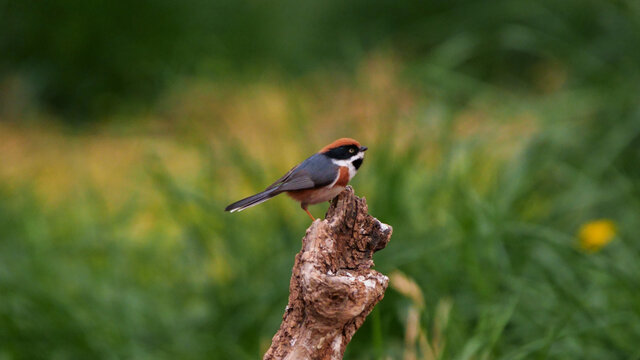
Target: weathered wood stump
x=333, y=287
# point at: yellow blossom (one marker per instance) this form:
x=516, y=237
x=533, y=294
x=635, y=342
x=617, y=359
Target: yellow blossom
x=595, y=234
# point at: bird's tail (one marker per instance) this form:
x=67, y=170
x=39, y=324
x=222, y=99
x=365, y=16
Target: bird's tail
x=252, y=200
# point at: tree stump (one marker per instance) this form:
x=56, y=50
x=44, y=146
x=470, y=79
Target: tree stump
x=333, y=287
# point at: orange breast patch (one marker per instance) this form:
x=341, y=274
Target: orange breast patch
x=343, y=177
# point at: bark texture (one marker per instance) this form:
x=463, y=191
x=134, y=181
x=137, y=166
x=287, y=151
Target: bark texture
x=333, y=287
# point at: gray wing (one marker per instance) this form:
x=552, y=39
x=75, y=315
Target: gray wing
x=316, y=171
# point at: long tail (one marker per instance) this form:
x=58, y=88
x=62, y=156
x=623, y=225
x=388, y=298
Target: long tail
x=252, y=200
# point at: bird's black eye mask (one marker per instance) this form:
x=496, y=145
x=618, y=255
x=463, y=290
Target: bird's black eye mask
x=342, y=152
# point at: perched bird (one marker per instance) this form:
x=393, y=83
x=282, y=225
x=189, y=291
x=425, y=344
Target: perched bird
x=321, y=177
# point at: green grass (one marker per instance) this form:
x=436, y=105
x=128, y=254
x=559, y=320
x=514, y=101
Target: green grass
x=485, y=200
x=495, y=132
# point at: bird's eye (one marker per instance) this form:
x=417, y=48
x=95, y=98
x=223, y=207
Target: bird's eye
x=352, y=150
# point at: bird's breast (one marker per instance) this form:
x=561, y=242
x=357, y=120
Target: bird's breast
x=326, y=193
x=343, y=176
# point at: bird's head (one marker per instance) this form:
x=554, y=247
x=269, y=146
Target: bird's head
x=345, y=152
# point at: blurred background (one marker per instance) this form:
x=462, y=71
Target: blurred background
x=504, y=145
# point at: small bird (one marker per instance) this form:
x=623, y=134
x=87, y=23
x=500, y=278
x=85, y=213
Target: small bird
x=319, y=178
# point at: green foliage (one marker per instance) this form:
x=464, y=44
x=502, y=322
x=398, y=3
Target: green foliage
x=495, y=236
x=484, y=220
x=520, y=287
x=85, y=59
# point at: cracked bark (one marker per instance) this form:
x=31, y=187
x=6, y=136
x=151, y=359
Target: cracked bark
x=333, y=287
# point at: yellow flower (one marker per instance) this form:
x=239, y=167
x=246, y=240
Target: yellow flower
x=595, y=234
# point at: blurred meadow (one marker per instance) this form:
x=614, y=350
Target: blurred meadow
x=504, y=146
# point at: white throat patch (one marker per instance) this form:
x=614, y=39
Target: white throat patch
x=348, y=163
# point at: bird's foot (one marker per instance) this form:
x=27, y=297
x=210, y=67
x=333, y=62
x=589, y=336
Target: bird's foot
x=308, y=213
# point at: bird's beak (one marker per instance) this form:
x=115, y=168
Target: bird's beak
x=363, y=148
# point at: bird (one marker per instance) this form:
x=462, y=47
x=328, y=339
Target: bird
x=319, y=178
